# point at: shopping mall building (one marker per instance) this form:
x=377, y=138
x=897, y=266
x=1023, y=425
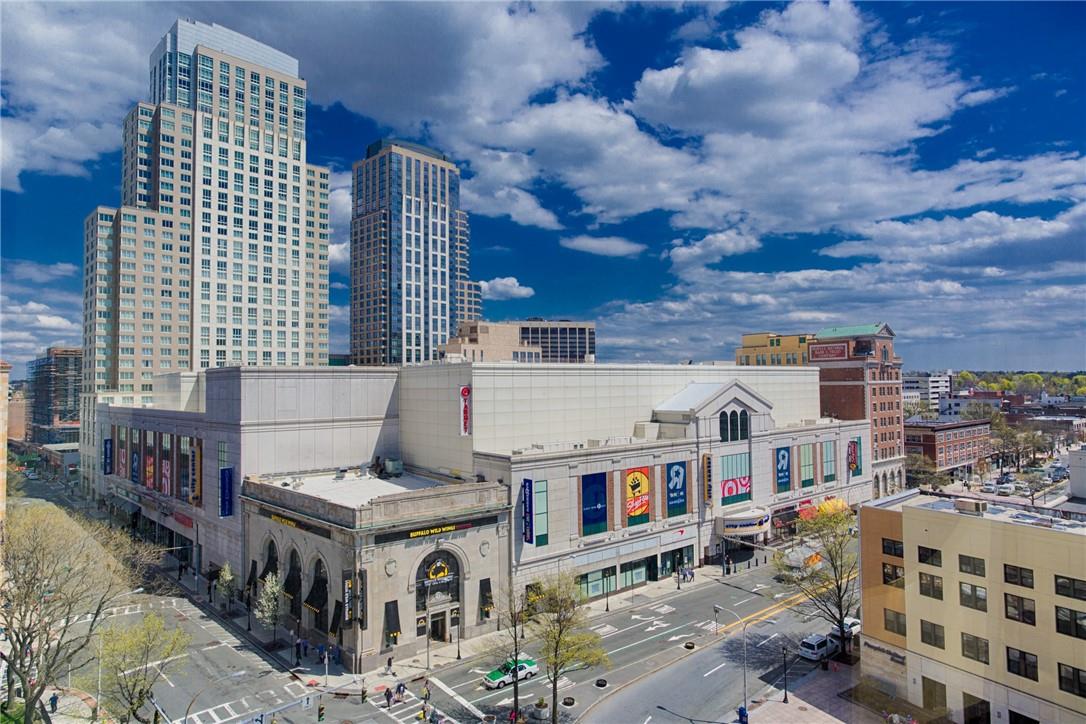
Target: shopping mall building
x=389, y=497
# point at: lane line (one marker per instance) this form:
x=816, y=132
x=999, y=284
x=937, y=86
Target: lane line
x=459, y=699
x=151, y=664
x=745, y=600
x=767, y=640
x=649, y=638
x=714, y=669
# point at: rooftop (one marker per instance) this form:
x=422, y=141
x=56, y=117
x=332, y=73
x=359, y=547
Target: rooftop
x=943, y=421
x=1005, y=513
x=689, y=397
x=63, y=447
x=354, y=489
x=856, y=330
x=377, y=146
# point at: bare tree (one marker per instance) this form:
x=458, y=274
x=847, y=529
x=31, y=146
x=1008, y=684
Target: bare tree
x=827, y=580
x=514, y=612
x=133, y=660
x=269, y=604
x=560, y=625
x=62, y=577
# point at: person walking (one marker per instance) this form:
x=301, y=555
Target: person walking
x=691, y=574
x=320, y=653
x=297, y=651
x=426, y=690
x=388, y=698
x=388, y=667
x=53, y=703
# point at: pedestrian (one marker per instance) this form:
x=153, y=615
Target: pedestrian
x=401, y=689
x=53, y=703
x=297, y=651
x=434, y=719
x=305, y=647
x=426, y=691
x=388, y=667
x=320, y=654
x=691, y=574
x=388, y=698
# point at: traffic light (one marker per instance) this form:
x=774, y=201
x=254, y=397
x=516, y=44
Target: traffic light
x=320, y=712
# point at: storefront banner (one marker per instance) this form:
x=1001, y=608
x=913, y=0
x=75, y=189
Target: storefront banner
x=593, y=503
x=784, y=468
x=637, y=496
x=166, y=481
x=226, y=492
x=676, y=489
x=134, y=469
x=735, y=486
x=149, y=471
x=527, y=519
x=465, y=410
x=107, y=456
x=348, y=598
x=853, y=454
x=196, y=458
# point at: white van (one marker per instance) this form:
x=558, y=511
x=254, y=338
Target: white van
x=817, y=647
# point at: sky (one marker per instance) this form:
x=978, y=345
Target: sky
x=680, y=173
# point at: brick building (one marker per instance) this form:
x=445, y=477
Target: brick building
x=954, y=445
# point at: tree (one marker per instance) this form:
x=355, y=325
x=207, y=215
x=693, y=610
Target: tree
x=913, y=408
x=966, y=378
x=921, y=470
x=514, y=612
x=828, y=580
x=1030, y=383
x=133, y=660
x=269, y=604
x=978, y=411
x=1034, y=481
x=62, y=578
x=1007, y=440
x=227, y=584
x=560, y=625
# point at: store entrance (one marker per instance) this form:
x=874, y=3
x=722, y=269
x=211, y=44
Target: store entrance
x=438, y=626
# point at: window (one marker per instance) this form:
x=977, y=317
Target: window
x=539, y=513
x=974, y=647
x=931, y=586
x=1018, y=576
x=893, y=621
x=829, y=461
x=930, y=556
x=806, y=465
x=932, y=634
x=891, y=547
x=735, y=478
x=1071, y=622
x=972, y=566
x=1022, y=663
x=934, y=694
x=1073, y=680
x=893, y=575
x=1071, y=587
x=1020, y=609
x=972, y=596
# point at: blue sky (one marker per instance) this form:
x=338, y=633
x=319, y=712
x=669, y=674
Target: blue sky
x=679, y=172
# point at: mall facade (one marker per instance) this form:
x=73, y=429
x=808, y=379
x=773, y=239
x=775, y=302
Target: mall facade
x=398, y=504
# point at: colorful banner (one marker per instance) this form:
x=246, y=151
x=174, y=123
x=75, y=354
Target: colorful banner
x=134, y=467
x=734, y=487
x=637, y=496
x=107, y=456
x=822, y=352
x=527, y=519
x=348, y=598
x=149, y=472
x=465, y=410
x=784, y=469
x=167, y=488
x=676, y=489
x=593, y=504
x=855, y=457
x=196, y=457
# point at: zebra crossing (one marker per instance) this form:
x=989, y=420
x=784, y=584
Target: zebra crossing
x=249, y=705
x=406, y=711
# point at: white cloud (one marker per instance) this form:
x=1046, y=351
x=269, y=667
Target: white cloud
x=985, y=95
x=27, y=270
x=339, y=285
x=603, y=245
x=503, y=288
x=710, y=249
x=30, y=326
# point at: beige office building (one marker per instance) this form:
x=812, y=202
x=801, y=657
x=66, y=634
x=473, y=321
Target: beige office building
x=467, y=294
x=218, y=253
x=977, y=610
x=490, y=342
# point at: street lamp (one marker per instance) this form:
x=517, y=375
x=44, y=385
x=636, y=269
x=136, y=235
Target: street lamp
x=607, y=589
x=98, y=698
x=196, y=696
x=717, y=609
x=679, y=577
x=784, y=658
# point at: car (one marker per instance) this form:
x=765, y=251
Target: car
x=1005, y=489
x=1022, y=489
x=852, y=628
x=1006, y=478
x=817, y=647
x=525, y=668
x=988, y=488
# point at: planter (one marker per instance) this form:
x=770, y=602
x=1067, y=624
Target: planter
x=539, y=713
x=601, y=683
x=689, y=646
x=569, y=701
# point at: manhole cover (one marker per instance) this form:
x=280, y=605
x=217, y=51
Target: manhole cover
x=802, y=708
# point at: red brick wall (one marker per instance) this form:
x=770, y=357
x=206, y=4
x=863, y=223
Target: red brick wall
x=845, y=402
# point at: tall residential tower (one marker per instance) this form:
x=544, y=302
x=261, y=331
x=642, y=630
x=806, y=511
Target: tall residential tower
x=404, y=229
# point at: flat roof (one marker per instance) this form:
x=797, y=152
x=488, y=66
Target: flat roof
x=63, y=447
x=353, y=490
x=1003, y=513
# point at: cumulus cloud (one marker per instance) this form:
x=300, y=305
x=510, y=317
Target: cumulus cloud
x=984, y=95
x=709, y=249
x=603, y=245
x=27, y=270
x=503, y=288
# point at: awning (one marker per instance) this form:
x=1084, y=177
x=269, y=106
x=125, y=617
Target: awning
x=337, y=618
x=746, y=523
x=392, y=618
x=252, y=575
x=486, y=595
x=318, y=595
x=272, y=566
x=293, y=585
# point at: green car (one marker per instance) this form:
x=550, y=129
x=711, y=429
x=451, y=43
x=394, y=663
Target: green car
x=524, y=669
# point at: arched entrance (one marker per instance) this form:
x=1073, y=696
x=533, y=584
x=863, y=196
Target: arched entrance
x=271, y=561
x=292, y=585
x=437, y=596
x=317, y=600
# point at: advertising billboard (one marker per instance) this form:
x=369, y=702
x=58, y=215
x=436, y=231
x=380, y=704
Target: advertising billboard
x=593, y=503
x=823, y=352
x=167, y=489
x=527, y=518
x=637, y=496
x=784, y=469
x=855, y=459
x=676, y=489
x=149, y=471
x=465, y=410
x=107, y=456
x=735, y=490
x=226, y=492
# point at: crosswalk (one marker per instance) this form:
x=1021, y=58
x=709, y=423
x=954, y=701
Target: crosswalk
x=407, y=710
x=249, y=705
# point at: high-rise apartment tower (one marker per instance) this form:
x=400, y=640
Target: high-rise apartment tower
x=467, y=295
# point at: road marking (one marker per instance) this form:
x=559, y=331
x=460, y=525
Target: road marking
x=768, y=640
x=636, y=617
x=478, y=671
x=649, y=638
x=680, y=636
x=663, y=609
x=459, y=699
x=647, y=720
x=655, y=625
x=758, y=587
x=604, y=628
x=714, y=669
x=745, y=600
x=150, y=664
x=613, y=633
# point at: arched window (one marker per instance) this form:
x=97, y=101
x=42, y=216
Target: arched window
x=733, y=426
x=317, y=600
x=744, y=425
x=723, y=427
x=292, y=586
x=885, y=354
x=437, y=581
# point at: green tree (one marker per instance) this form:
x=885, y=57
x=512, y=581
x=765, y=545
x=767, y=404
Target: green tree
x=269, y=604
x=914, y=408
x=513, y=614
x=63, y=576
x=560, y=625
x=978, y=411
x=227, y=584
x=1007, y=441
x=133, y=660
x=966, y=378
x=1030, y=383
x=828, y=584
x=921, y=470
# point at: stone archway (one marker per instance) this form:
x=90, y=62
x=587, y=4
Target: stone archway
x=438, y=595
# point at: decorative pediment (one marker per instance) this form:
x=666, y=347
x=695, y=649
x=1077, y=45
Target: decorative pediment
x=708, y=399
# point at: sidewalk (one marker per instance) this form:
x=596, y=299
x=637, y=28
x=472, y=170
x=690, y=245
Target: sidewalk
x=814, y=700
x=74, y=705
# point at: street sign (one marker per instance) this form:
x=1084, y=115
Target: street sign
x=307, y=701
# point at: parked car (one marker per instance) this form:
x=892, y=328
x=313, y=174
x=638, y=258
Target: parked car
x=524, y=669
x=988, y=488
x=1005, y=489
x=817, y=647
x=1006, y=478
x=1022, y=489
x=852, y=628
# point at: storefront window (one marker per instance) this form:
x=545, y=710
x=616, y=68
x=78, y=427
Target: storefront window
x=829, y=461
x=437, y=581
x=735, y=478
x=806, y=465
x=539, y=513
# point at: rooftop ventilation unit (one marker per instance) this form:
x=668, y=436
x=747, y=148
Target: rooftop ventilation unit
x=341, y=474
x=970, y=506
